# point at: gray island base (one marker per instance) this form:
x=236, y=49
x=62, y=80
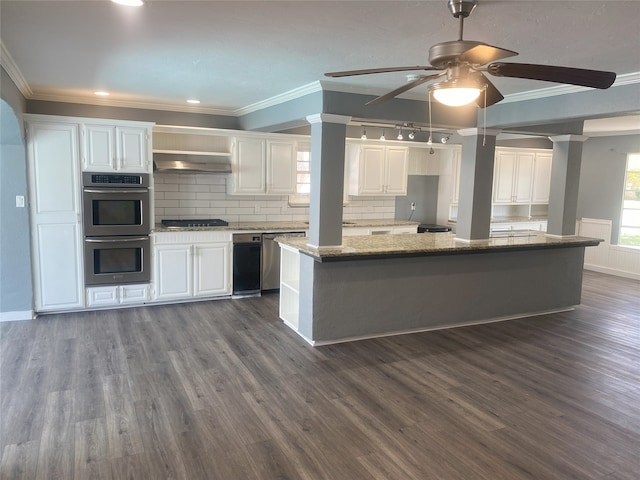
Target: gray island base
x=394, y=284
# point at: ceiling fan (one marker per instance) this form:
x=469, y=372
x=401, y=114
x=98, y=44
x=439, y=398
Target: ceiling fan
x=464, y=64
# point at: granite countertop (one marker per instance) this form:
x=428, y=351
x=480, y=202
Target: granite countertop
x=283, y=226
x=362, y=247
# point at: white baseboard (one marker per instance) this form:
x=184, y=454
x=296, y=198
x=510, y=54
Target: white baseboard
x=612, y=271
x=15, y=316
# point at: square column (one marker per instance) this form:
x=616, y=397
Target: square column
x=328, y=134
x=565, y=180
x=476, y=183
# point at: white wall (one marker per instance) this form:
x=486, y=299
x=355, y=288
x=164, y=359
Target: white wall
x=205, y=196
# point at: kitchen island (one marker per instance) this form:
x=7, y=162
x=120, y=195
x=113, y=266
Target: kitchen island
x=391, y=284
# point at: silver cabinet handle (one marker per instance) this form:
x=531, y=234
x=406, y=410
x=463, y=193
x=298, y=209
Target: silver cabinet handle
x=115, y=239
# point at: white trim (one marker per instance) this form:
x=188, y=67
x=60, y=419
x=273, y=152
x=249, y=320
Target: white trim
x=281, y=98
x=469, y=132
x=7, y=62
x=16, y=316
x=612, y=271
x=130, y=104
x=318, y=343
x=569, y=138
x=328, y=118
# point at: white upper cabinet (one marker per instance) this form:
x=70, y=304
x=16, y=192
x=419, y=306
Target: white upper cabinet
x=541, y=178
x=513, y=175
x=116, y=148
x=263, y=166
x=378, y=170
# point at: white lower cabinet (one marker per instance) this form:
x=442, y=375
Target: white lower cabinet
x=191, y=265
x=114, y=295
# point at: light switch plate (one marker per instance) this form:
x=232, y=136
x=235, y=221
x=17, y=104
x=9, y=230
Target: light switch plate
x=20, y=201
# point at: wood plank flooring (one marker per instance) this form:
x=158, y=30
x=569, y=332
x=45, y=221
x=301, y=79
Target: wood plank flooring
x=223, y=390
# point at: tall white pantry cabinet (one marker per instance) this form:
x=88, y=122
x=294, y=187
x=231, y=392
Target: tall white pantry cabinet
x=56, y=226
x=58, y=150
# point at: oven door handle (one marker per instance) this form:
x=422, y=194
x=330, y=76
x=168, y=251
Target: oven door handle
x=116, y=239
x=116, y=190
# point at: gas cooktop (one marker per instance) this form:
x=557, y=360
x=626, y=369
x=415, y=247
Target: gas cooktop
x=211, y=222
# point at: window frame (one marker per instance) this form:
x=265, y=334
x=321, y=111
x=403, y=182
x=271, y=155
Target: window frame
x=631, y=157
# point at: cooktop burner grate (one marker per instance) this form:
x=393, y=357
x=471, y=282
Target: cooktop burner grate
x=211, y=222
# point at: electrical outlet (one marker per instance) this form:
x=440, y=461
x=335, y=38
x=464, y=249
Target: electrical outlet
x=413, y=206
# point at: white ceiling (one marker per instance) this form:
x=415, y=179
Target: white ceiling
x=234, y=54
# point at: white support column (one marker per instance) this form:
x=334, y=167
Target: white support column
x=476, y=183
x=565, y=179
x=328, y=134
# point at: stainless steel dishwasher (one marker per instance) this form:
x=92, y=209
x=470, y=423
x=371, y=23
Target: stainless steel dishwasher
x=271, y=259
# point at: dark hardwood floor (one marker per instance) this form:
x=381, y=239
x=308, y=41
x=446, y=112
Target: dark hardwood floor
x=223, y=390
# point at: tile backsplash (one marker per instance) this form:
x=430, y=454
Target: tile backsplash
x=202, y=195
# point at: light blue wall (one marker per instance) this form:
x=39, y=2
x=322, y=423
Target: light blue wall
x=15, y=261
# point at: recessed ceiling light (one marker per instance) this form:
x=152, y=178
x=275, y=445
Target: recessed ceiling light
x=101, y=93
x=129, y=3
x=193, y=100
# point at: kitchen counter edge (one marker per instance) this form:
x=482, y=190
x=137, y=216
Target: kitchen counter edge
x=428, y=244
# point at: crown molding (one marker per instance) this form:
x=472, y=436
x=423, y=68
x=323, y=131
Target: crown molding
x=129, y=104
x=6, y=60
x=624, y=79
x=281, y=98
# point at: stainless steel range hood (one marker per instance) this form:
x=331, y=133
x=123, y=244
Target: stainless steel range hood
x=179, y=163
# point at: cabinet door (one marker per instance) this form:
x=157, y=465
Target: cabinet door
x=396, y=171
x=523, y=178
x=99, y=148
x=541, y=178
x=102, y=296
x=281, y=168
x=173, y=272
x=249, y=166
x=132, y=148
x=504, y=174
x=372, y=169
x=212, y=269
x=59, y=280
x=53, y=173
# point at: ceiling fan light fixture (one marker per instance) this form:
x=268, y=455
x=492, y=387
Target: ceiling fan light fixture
x=129, y=3
x=452, y=94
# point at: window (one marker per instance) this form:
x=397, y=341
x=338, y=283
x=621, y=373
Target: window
x=303, y=175
x=303, y=184
x=630, y=221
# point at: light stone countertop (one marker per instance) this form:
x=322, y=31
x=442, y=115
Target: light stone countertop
x=362, y=247
x=284, y=226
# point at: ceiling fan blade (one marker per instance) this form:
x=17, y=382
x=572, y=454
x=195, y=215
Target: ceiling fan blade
x=367, y=71
x=491, y=93
x=482, y=54
x=550, y=73
x=403, y=88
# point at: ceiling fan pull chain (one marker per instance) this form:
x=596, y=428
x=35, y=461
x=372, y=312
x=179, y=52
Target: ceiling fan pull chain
x=484, y=122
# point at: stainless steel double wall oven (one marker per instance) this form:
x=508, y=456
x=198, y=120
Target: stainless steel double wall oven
x=117, y=224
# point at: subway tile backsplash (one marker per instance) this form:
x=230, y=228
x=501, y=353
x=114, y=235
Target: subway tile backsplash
x=202, y=195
